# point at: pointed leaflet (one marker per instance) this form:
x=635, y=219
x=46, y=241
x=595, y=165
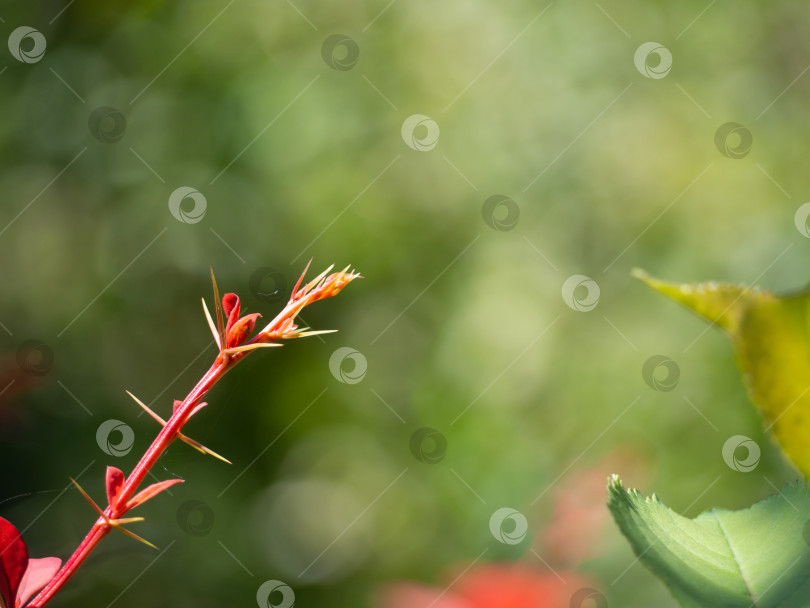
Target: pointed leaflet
x=753, y=557
x=241, y=329
x=196, y=409
x=150, y=492
x=230, y=306
x=13, y=561
x=177, y=404
x=771, y=338
x=114, y=482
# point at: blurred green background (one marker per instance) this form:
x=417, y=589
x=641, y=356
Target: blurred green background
x=295, y=140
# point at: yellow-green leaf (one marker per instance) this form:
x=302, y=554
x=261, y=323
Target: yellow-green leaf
x=771, y=338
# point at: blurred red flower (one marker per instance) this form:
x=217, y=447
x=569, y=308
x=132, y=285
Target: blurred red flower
x=21, y=577
x=576, y=529
x=492, y=585
x=572, y=535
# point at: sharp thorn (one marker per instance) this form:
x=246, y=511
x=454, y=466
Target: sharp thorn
x=147, y=409
x=92, y=502
x=211, y=324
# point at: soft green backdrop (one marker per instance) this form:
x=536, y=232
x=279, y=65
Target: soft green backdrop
x=609, y=170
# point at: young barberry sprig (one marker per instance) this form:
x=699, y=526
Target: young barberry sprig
x=232, y=336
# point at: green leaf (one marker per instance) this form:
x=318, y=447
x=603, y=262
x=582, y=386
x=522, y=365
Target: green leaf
x=756, y=557
x=771, y=338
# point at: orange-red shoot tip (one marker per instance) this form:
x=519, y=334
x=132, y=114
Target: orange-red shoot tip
x=323, y=286
x=232, y=333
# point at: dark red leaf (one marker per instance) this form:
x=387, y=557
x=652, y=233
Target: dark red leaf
x=13, y=561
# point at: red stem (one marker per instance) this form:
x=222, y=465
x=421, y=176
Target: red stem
x=166, y=436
